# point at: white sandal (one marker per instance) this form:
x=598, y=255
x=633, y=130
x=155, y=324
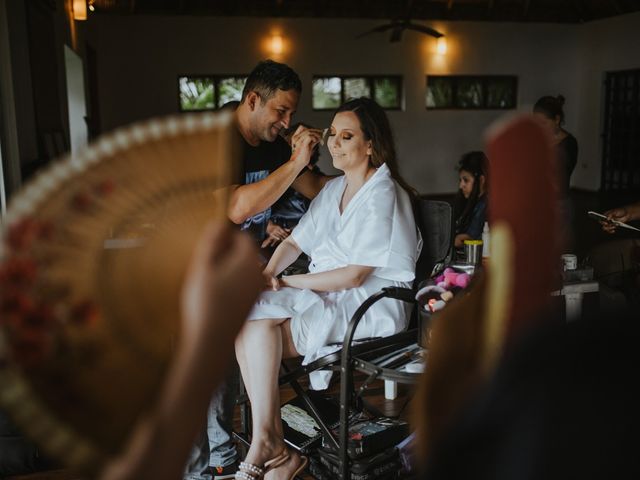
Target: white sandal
x=249, y=471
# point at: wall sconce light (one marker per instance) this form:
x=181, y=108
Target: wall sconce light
x=441, y=45
x=276, y=44
x=79, y=9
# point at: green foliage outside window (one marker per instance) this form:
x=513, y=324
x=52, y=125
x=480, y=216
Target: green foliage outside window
x=472, y=92
x=330, y=92
x=196, y=93
x=208, y=92
x=501, y=93
x=230, y=89
x=326, y=93
x=387, y=92
x=356, y=88
x=439, y=93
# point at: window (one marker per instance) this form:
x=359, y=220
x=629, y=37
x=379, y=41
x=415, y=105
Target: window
x=332, y=91
x=472, y=92
x=208, y=92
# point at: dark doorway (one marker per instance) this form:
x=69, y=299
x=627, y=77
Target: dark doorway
x=621, y=135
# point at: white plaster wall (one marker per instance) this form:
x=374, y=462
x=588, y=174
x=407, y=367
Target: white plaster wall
x=139, y=59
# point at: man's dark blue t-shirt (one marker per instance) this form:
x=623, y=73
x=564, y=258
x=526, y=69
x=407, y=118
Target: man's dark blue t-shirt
x=258, y=163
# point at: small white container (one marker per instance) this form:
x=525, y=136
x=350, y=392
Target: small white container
x=569, y=261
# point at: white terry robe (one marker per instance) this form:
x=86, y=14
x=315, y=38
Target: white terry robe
x=377, y=229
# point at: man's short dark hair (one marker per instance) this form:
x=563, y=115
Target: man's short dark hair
x=269, y=76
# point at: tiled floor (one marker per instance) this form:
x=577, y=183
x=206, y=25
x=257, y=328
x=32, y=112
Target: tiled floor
x=373, y=395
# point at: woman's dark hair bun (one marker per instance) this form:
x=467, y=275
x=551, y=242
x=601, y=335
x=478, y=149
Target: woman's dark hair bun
x=560, y=99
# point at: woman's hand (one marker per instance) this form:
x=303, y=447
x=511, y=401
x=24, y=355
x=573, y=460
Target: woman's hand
x=271, y=281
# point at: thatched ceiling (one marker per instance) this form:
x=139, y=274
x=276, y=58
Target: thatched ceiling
x=557, y=11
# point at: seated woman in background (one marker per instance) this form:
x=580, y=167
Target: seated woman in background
x=361, y=235
x=471, y=202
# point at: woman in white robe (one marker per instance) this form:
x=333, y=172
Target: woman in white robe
x=361, y=235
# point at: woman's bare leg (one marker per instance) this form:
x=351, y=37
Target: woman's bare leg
x=286, y=469
x=259, y=349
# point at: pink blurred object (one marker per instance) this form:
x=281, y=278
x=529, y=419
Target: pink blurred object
x=463, y=280
x=450, y=278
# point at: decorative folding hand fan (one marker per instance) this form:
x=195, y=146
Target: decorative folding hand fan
x=92, y=259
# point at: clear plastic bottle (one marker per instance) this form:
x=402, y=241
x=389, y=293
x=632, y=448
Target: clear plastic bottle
x=486, y=246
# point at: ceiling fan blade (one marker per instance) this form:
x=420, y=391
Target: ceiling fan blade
x=396, y=34
x=424, y=29
x=378, y=29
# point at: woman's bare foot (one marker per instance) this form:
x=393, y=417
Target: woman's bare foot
x=262, y=453
x=287, y=469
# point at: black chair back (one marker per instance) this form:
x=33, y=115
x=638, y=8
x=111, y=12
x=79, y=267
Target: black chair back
x=435, y=221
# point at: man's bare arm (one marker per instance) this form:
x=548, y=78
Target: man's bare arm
x=248, y=200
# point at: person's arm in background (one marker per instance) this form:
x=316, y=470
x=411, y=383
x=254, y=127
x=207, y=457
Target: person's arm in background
x=624, y=214
x=248, y=200
x=460, y=238
x=221, y=286
x=476, y=225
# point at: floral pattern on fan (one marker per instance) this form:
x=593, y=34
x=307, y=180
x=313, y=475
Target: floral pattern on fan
x=32, y=312
x=92, y=256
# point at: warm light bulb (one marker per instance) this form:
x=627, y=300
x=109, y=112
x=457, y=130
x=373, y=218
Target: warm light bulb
x=79, y=9
x=441, y=46
x=277, y=44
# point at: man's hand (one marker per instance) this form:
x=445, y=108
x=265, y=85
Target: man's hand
x=303, y=142
x=625, y=214
x=618, y=214
x=275, y=234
